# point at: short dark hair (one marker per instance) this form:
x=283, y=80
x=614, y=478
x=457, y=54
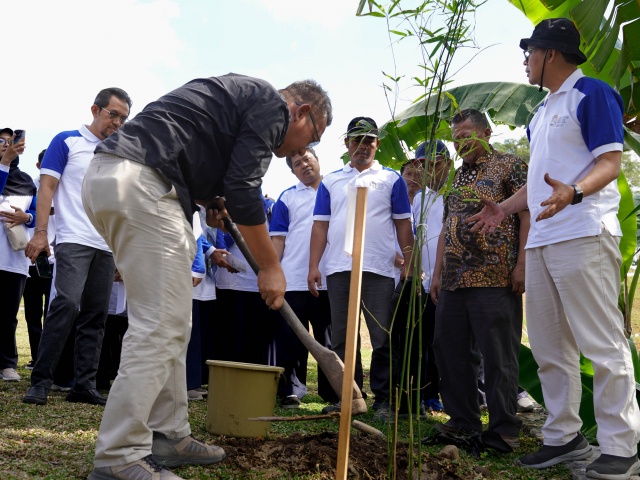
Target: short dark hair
x=478, y=118
x=310, y=91
x=289, y=160
x=104, y=96
x=41, y=155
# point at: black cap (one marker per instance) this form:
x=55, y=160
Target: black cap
x=6, y=130
x=362, y=127
x=557, y=34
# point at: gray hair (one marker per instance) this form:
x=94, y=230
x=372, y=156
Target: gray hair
x=309, y=91
x=478, y=119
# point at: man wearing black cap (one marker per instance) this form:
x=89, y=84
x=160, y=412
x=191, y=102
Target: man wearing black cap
x=573, y=258
x=388, y=214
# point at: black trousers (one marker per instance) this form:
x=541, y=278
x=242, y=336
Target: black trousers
x=475, y=322
x=36, y=304
x=83, y=281
x=243, y=328
x=376, y=294
x=10, y=296
x=114, y=329
x=415, y=374
x=292, y=355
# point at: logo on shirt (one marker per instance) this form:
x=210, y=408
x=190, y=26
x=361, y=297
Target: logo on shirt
x=559, y=121
x=376, y=186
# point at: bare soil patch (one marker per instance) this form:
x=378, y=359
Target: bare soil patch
x=304, y=454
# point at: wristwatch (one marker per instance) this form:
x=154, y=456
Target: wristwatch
x=577, y=195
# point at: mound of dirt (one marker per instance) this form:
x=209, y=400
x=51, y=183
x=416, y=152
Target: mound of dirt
x=304, y=454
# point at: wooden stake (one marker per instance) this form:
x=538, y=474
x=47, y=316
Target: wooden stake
x=353, y=322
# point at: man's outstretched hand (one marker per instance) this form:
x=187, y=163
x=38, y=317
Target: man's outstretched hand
x=561, y=196
x=488, y=218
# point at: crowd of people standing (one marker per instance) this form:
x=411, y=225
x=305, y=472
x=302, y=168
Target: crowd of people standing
x=145, y=196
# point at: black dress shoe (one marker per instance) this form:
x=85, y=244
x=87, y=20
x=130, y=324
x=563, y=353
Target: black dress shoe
x=36, y=395
x=92, y=396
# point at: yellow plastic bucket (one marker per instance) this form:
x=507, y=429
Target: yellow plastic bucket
x=238, y=391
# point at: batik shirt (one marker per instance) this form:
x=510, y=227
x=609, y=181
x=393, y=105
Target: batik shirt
x=473, y=259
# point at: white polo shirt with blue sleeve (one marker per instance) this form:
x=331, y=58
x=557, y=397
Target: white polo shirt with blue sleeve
x=387, y=201
x=67, y=159
x=293, y=218
x=427, y=219
x=574, y=125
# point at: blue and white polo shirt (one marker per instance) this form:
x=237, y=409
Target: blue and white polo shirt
x=387, y=201
x=574, y=125
x=67, y=159
x=293, y=218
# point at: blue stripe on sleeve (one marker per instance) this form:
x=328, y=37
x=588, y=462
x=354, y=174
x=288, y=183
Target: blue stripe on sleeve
x=198, y=265
x=205, y=245
x=323, y=201
x=57, y=154
x=400, y=197
x=220, y=240
x=599, y=113
x=280, y=215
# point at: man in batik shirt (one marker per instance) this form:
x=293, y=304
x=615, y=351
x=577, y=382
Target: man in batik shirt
x=477, y=285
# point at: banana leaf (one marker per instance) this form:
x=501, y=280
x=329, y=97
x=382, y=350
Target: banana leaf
x=531, y=383
x=600, y=23
x=506, y=103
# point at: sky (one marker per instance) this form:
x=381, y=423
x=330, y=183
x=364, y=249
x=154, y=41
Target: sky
x=58, y=55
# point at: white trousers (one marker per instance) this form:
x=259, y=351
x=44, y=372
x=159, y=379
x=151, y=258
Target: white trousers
x=572, y=307
x=138, y=213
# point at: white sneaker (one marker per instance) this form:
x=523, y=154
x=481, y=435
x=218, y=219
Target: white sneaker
x=525, y=404
x=10, y=375
x=194, y=395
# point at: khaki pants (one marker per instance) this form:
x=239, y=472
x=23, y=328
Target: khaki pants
x=138, y=213
x=572, y=307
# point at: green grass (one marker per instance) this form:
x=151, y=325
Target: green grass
x=57, y=441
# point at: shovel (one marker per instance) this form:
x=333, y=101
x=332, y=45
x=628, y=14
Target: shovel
x=328, y=360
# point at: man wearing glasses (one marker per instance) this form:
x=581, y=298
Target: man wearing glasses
x=84, y=264
x=211, y=138
x=388, y=215
x=573, y=259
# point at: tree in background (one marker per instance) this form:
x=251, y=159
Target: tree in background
x=631, y=169
x=630, y=161
x=519, y=147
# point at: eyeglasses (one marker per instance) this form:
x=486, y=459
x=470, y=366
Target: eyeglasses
x=527, y=53
x=4, y=141
x=114, y=115
x=313, y=122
